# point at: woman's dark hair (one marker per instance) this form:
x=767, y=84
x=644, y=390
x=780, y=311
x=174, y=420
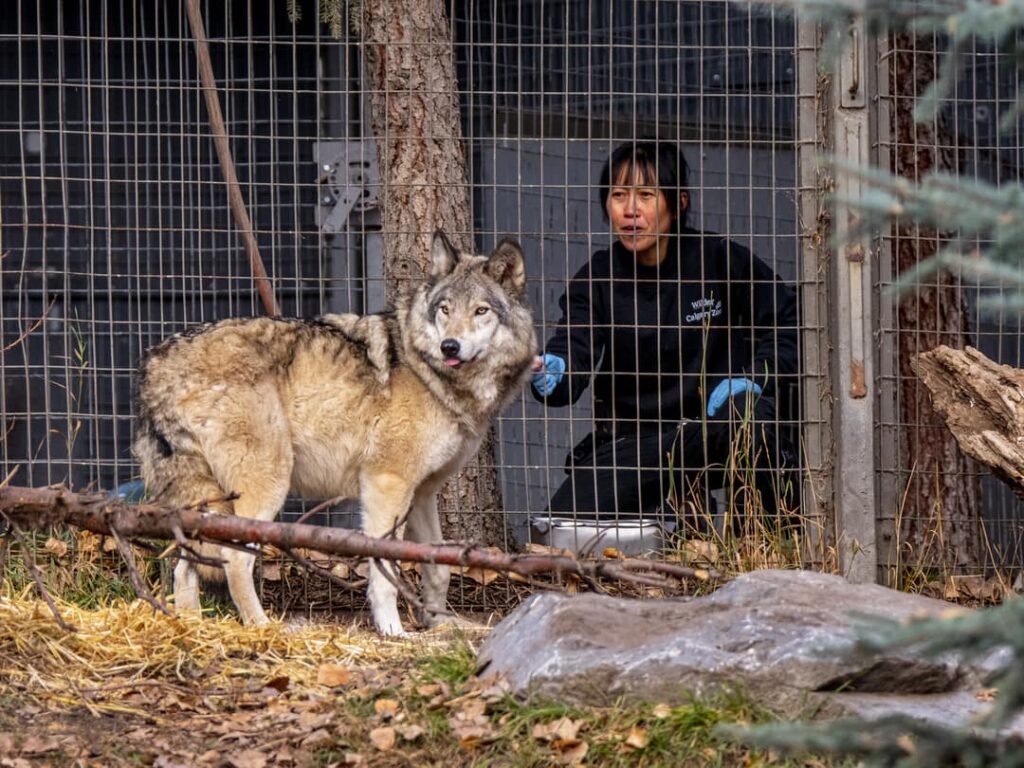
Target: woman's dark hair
x=659, y=164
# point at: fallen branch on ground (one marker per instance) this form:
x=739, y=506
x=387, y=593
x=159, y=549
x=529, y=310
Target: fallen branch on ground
x=37, y=508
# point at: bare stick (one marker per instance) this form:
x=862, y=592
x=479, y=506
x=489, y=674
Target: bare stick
x=28, y=333
x=38, y=507
x=327, y=573
x=33, y=569
x=138, y=583
x=227, y=164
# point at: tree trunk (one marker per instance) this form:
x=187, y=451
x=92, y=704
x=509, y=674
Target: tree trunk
x=939, y=513
x=414, y=105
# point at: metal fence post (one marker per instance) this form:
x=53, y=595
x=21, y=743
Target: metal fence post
x=853, y=313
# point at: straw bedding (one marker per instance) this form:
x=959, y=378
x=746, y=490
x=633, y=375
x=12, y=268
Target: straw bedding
x=121, y=652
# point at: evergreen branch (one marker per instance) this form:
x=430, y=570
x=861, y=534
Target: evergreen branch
x=962, y=22
x=981, y=226
x=972, y=635
x=895, y=740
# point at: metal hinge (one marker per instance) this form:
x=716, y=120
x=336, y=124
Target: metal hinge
x=349, y=181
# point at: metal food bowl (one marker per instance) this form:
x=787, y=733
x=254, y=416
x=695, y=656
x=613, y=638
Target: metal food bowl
x=589, y=535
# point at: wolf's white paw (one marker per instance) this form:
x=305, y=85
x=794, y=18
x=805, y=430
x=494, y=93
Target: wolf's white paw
x=389, y=627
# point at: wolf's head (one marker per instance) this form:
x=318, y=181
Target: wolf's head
x=470, y=320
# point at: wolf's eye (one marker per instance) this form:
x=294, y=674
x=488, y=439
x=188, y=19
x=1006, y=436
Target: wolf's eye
x=482, y=310
x=444, y=309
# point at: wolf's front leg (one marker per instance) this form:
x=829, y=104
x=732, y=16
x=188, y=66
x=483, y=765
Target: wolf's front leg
x=385, y=497
x=425, y=526
x=238, y=567
x=186, y=586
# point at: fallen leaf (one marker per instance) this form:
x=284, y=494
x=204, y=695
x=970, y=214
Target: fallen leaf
x=470, y=724
x=612, y=553
x=483, y=576
x=56, y=547
x=534, y=548
x=637, y=738
x=661, y=711
x=700, y=551
x=271, y=572
x=563, y=729
x=333, y=675
x=248, y=758
x=473, y=708
x=383, y=738
x=497, y=688
x=410, y=732
x=341, y=570
x=309, y=721
x=88, y=542
x=472, y=735
x=316, y=738
x=36, y=745
x=386, y=708
x=573, y=754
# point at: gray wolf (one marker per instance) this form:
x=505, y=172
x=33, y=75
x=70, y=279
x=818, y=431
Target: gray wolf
x=383, y=408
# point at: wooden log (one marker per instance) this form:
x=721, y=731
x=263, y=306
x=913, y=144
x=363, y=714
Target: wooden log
x=982, y=403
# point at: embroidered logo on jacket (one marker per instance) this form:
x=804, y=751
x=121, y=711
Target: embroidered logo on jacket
x=704, y=309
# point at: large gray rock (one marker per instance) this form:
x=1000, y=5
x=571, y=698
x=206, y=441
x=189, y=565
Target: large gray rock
x=782, y=636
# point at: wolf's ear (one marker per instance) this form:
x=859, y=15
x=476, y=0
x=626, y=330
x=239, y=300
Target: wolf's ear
x=443, y=257
x=505, y=266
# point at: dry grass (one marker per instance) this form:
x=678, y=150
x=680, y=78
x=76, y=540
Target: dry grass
x=126, y=644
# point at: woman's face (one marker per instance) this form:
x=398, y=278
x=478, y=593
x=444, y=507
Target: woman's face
x=640, y=216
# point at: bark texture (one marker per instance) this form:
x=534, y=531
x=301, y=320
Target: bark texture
x=939, y=510
x=416, y=119
x=982, y=403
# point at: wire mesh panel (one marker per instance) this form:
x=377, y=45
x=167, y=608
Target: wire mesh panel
x=943, y=514
x=117, y=229
x=552, y=89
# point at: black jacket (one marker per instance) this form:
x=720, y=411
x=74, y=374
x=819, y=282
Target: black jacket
x=656, y=340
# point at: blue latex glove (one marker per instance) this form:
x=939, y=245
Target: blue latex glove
x=547, y=379
x=133, y=491
x=727, y=388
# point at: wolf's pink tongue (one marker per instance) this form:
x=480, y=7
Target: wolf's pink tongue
x=454, y=362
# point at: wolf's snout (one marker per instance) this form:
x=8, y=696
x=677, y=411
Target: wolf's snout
x=450, y=350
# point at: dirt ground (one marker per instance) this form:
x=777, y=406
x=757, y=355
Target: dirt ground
x=133, y=687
